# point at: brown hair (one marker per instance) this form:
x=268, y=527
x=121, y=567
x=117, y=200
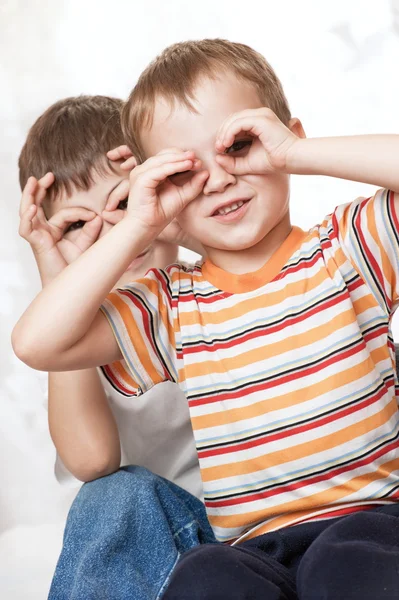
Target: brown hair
x=70, y=139
x=174, y=74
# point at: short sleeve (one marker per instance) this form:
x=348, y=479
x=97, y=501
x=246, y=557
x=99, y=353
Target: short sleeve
x=141, y=318
x=368, y=232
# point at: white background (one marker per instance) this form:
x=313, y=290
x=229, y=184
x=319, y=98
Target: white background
x=338, y=62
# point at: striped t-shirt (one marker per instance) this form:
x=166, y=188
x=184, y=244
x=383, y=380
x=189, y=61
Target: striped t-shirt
x=288, y=371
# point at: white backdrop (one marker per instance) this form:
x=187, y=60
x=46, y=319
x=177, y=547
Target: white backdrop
x=338, y=62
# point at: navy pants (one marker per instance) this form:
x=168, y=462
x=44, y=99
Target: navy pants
x=350, y=558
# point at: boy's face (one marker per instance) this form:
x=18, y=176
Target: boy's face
x=266, y=197
x=158, y=255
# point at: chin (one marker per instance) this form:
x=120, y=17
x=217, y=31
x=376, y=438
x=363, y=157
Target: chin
x=243, y=242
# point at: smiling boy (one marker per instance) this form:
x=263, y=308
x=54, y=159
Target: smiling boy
x=280, y=340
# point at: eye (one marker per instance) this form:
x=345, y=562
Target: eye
x=123, y=204
x=238, y=145
x=76, y=225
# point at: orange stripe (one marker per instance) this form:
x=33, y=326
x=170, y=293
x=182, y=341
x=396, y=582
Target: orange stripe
x=311, y=448
x=383, y=260
x=135, y=335
x=253, y=356
x=243, y=308
x=302, y=506
x=303, y=394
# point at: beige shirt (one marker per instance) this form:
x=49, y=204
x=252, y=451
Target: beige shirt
x=155, y=432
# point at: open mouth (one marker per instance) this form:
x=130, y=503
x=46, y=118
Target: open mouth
x=230, y=211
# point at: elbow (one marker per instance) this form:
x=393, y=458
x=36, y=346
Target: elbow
x=25, y=350
x=35, y=351
x=96, y=467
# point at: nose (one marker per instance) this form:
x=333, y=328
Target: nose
x=218, y=179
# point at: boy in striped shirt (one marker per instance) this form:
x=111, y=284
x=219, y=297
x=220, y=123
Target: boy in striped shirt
x=280, y=340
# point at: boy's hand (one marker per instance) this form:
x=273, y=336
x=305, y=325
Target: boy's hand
x=123, y=153
x=154, y=201
x=53, y=252
x=172, y=234
x=262, y=142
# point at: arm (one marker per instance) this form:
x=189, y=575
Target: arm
x=60, y=331
x=369, y=159
x=81, y=423
x=63, y=329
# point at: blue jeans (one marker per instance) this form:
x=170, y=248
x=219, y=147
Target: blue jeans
x=124, y=535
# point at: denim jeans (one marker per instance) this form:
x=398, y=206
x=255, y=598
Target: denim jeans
x=124, y=535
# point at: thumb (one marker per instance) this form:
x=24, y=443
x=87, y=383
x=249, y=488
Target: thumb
x=193, y=187
x=89, y=233
x=233, y=165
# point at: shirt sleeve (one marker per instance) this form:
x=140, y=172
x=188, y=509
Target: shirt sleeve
x=368, y=232
x=141, y=318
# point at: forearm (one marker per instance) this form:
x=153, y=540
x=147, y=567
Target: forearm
x=372, y=159
x=58, y=317
x=82, y=425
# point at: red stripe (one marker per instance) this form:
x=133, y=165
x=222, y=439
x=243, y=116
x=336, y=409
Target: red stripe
x=146, y=323
x=392, y=208
x=289, y=488
x=367, y=253
x=304, y=264
x=317, y=422
x=118, y=382
x=277, y=381
x=267, y=330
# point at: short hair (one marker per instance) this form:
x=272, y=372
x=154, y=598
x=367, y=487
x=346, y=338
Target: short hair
x=174, y=74
x=71, y=139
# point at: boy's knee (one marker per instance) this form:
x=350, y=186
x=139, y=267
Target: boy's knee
x=362, y=548
x=123, y=484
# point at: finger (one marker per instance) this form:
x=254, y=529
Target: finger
x=255, y=124
x=248, y=114
x=153, y=177
x=171, y=150
x=192, y=188
x=249, y=125
x=89, y=233
x=43, y=185
x=65, y=216
x=26, y=222
x=162, y=159
x=41, y=217
x=113, y=216
x=121, y=192
x=121, y=152
x=27, y=198
x=233, y=165
x=129, y=164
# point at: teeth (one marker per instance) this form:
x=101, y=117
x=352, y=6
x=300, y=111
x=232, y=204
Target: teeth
x=227, y=209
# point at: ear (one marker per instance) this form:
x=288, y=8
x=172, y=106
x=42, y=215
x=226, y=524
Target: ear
x=296, y=127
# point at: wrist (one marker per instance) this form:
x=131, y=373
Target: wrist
x=295, y=157
x=49, y=264
x=139, y=231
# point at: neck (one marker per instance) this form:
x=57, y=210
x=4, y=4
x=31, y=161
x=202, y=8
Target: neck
x=253, y=258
